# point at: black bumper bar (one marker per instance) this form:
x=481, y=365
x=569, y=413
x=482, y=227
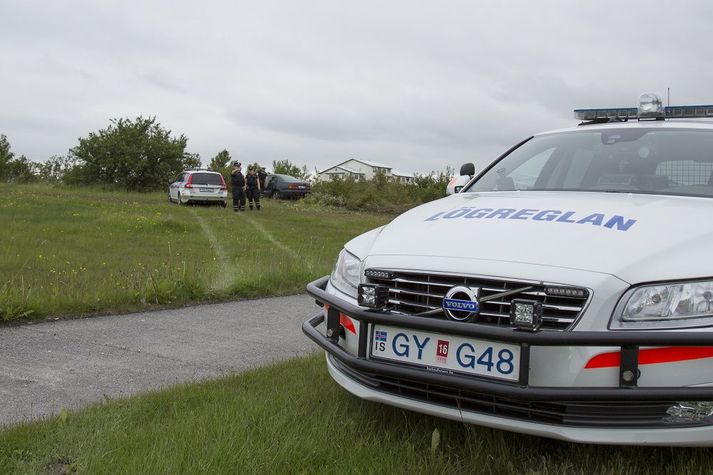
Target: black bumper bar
x=628, y=341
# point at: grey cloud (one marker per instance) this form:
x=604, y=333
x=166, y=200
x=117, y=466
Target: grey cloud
x=418, y=85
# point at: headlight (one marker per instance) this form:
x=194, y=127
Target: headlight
x=681, y=304
x=346, y=274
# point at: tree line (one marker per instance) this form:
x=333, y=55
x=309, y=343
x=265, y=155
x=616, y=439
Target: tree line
x=136, y=155
x=141, y=155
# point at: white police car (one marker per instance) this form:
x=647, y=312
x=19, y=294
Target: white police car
x=456, y=183
x=566, y=291
x=198, y=186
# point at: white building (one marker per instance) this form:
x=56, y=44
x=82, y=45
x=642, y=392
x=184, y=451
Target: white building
x=403, y=177
x=362, y=169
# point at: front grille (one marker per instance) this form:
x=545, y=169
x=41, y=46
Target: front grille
x=574, y=414
x=414, y=292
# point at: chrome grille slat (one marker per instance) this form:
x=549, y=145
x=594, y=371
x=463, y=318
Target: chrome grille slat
x=414, y=292
x=400, y=302
x=565, y=321
x=564, y=308
x=419, y=282
x=544, y=317
x=411, y=292
x=493, y=289
x=492, y=314
x=534, y=294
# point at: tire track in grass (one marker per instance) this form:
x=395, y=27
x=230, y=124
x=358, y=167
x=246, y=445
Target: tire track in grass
x=275, y=242
x=227, y=268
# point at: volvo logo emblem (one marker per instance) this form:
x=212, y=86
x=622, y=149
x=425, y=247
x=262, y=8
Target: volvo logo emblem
x=461, y=303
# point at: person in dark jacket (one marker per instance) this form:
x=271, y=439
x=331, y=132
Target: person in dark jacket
x=252, y=184
x=261, y=175
x=237, y=181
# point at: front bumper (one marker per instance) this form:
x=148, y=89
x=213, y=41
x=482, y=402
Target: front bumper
x=623, y=414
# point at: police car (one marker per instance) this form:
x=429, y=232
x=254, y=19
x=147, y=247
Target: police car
x=198, y=186
x=456, y=183
x=566, y=291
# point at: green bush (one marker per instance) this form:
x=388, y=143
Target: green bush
x=380, y=194
x=58, y=169
x=14, y=169
x=138, y=155
x=285, y=167
x=221, y=163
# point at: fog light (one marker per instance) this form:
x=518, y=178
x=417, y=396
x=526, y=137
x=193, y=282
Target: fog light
x=526, y=314
x=566, y=292
x=373, y=295
x=689, y=411
x=379, y=274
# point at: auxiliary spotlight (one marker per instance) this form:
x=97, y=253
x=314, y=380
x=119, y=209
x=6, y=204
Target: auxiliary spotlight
x=373, y=295
x=526, y=314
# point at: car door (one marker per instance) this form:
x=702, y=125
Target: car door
x=179, y=183
x=173, y=187
x=280, y=185
x=269, y=185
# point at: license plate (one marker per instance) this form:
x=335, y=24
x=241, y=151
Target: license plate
x=207, y=190
x=449, y=353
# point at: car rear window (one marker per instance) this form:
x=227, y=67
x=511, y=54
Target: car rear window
x=206, y=179
x=289, y=179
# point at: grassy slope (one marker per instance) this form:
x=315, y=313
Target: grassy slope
x=291, y=418
x=75, y=251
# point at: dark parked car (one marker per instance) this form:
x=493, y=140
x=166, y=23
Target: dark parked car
x=285, y=186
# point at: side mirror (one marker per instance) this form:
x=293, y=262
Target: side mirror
x=467, y=169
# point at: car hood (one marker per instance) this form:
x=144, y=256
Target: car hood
x=634, y=237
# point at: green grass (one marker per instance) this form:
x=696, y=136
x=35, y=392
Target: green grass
x=292, y=418
x=76, y=251
x=73, y=251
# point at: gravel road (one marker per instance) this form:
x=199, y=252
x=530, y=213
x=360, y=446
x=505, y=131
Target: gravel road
x=45, y=367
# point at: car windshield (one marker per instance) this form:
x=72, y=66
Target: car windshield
x=637, y=160
x=206, y=179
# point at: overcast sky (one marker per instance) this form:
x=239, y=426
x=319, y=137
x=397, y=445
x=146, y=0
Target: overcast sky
x=416, y=85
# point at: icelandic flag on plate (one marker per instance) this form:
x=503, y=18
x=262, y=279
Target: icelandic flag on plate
x=380, y=336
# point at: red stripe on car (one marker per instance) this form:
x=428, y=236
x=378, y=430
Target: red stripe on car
x=347, y=323
x=344, y=320
x=669, y=354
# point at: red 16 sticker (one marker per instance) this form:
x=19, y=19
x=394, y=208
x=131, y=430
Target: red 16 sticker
x=442, y=351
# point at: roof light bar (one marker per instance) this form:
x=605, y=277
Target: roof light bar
x=613, y=113
x=676, y=112
x=671, y=112
x=650, y=107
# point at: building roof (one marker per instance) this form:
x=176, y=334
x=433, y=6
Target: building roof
x=370, y=163
x=346, y=169
x=403, y=174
